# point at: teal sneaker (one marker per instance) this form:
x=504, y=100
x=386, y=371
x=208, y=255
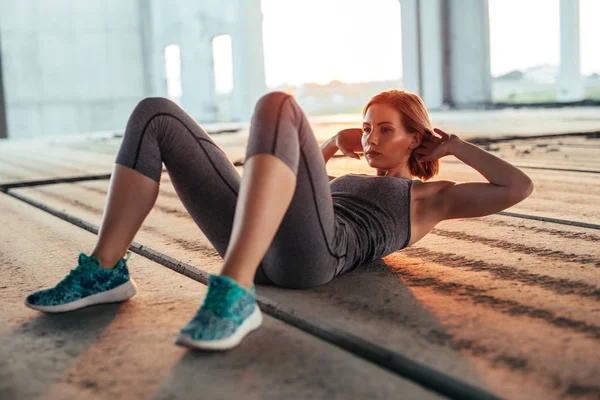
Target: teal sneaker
x=228, y=313
x=85, y=285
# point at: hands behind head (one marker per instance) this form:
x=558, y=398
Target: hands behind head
x=349, y=141
x=433, y=147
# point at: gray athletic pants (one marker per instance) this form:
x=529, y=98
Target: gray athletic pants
x=309, y=248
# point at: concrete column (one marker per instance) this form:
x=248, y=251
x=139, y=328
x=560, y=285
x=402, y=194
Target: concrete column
x=570, y=83
x=423, y=49
x=197, y=75
x=470, y=80
x=247, y=58
x=3, y=124
x=446, y=51
x=411, y=45
x=148, y=44
x=433, y=45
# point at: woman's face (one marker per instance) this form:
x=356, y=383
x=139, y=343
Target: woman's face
x=384, y=133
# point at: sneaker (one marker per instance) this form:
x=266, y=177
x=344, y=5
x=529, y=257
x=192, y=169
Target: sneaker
x=85, y=285
x=228, y=313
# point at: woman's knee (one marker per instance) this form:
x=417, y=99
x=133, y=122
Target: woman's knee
x=149, y=112
x=272, y=98
x=272, y=105
x=144, y=125
x=155, y=104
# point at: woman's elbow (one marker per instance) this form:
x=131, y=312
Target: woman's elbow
x=529, y=188
x=523, y=190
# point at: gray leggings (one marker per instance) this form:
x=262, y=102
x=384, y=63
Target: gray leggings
x=309, y=248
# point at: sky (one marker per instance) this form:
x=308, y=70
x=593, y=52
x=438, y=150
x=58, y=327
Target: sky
x=531, y=36
x=322, y=40
x=361, y=40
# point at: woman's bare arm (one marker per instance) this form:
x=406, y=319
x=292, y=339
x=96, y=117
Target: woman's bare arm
x=329, y=148
x=507, y=185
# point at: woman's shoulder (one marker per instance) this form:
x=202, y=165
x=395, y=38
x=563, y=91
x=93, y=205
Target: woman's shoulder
x=427, y=190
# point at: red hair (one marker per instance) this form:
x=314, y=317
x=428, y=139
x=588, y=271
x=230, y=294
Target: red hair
x=415, y=118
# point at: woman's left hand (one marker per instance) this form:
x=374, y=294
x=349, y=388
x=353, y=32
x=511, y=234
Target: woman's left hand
x=436, y=147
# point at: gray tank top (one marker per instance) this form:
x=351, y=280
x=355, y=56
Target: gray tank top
x=375, y=213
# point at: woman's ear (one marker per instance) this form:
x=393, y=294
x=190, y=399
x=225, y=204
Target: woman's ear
x=415, y=140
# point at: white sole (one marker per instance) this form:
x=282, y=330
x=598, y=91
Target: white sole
x=122, y=292
x=251, y=323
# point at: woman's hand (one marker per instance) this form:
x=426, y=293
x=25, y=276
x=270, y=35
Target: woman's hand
x=349, y=141
x=434, y=147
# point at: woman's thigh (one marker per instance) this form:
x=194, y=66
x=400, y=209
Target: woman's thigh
x=307, y=249
x=160, y=131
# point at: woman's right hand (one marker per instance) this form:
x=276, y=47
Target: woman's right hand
x=349, y=141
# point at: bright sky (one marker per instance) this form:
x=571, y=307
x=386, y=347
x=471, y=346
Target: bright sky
x=524, y=33
x=322, y=40
x=360, y=40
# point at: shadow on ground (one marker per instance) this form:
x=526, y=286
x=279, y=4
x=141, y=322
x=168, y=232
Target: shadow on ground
x=40, y=351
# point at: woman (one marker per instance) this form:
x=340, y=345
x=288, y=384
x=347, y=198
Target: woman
x=283, y=222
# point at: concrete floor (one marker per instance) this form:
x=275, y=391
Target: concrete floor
x=126, y=350
x=506, y=303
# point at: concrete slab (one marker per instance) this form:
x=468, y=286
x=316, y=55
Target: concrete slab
x=543, y=202
x=95, y=154
x=21, y=161
x=125, y=350
x=504, y=303
x=508, y=278
x=492, y=123
x=565, y=152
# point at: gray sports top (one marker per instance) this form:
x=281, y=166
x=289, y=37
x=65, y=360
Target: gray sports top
x=375, y=212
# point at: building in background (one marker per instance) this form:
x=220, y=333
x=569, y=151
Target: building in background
x=79, y=66
x=75, y=66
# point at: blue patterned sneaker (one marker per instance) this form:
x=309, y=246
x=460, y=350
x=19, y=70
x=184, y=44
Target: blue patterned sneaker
x=85, y=285
x=228, y=313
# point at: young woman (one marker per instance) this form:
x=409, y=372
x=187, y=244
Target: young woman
x=283, y=222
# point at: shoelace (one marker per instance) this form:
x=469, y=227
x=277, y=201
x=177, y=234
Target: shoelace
x=69, y=278
x=217, y=301
x=75, y=271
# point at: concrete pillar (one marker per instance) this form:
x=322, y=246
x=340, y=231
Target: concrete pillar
x=423, y=49
x=446, y=51
x=247, y=58
x=411, y=45
x=3, y=125
x=149, y=46
x=468, y=32
x=433, y=44
x=570, y=82
x=197, y=75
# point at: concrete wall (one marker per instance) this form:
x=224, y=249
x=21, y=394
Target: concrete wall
x=70, y=66
x=74, y=66
x=192, y=25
